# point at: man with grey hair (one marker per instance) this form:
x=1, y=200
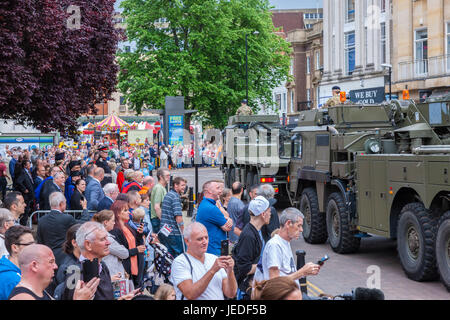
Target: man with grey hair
x=92, y=239
x=198, y=275
x=94, y=192
x=111, y=191
x=56, y=184
x=52, y=227
x=268, y=192
x=6, y=222
x=277, y=257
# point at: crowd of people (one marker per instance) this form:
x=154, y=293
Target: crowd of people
x=121, y=220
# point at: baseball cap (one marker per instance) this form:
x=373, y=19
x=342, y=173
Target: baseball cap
x=258, y=205
x=336, y=88
x=244, y=101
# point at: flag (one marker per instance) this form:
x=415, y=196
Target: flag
x=165, y=230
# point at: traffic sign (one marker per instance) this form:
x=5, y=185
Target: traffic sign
x=157, y=125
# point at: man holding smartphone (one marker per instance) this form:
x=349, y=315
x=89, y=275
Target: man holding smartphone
x=278, y=259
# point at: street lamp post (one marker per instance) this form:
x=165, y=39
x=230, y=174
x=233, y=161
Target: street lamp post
x=246, y=64
x=389, y=66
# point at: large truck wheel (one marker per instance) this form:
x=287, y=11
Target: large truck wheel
x=342, y=240
x=416, y=234
x=443, y=249
x=314, y=223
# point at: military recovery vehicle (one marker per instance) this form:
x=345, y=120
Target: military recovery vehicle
x=256, y=150
x=384, y=170
x=359, y=170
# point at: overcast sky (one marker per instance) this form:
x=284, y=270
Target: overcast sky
x=296, y=4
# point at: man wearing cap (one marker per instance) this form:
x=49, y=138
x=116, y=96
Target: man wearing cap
x=247, y=251
x=334, y=100
x=102, y=163
x=244, y=109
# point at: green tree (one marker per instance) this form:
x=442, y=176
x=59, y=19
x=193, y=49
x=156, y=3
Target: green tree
x=199, y=53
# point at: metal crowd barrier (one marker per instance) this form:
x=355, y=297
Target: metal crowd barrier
x=40, y=213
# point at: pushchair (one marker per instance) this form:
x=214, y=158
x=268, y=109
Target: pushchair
x=159, y=270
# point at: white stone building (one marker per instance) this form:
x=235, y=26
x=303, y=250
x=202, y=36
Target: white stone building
x=356, y=43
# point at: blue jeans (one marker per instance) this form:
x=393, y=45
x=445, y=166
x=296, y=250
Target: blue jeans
x=156, y=224
x=174, y=244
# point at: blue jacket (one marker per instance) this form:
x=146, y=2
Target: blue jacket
x=94, y=194
x=10, y=276
x=37, y=191
x=12, y=165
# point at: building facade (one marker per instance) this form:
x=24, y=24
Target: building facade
x=356, y=39
x=287, y=21
x=306, y=67
x=421, y=54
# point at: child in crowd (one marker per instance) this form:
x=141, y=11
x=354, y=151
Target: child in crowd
x=165, y=292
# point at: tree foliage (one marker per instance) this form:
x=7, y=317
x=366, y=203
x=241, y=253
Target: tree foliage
x=199, y=53
x=50, y=73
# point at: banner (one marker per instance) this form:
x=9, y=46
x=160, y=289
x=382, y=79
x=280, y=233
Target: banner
x=176, y=125
x=368, y=96
x=138, y=137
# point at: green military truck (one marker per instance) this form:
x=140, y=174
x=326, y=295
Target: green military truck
x=256, y=150
x=384, y=170
x=355, y=171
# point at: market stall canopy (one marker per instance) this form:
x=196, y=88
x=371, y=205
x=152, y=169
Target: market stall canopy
x=112, y=122
x=133, y=125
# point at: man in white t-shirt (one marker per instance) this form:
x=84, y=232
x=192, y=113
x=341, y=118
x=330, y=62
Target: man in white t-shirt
x=278, y=259
x=197, y=275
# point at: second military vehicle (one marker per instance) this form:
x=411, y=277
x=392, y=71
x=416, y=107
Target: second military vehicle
x=360, y=170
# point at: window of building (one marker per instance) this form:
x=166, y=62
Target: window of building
x=383, y=42
x=308, y=26
x=292, y=100
x=383, y=5
x=349, y=51
x=308, y=68
x=127, y=49
x=350, y=11
x=448, y=46
x=122, y=100
x=284, y=103
x=291, y=68
x=421, y=52
x=320, y=15
x=308, y=96
x=317, y=60
x=366, y=52
x=278, y=101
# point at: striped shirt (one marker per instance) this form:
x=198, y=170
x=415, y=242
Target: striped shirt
x=171, y=207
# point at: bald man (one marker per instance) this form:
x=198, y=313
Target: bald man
x=198, y=275
x=94, y=192
x=38, y=266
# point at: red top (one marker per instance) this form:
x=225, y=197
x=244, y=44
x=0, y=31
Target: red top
x=2, y=169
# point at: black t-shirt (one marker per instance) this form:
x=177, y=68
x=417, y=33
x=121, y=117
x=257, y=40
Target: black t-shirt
x=18, y=290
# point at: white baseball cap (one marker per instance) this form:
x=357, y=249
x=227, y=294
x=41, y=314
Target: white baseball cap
x=258, y=205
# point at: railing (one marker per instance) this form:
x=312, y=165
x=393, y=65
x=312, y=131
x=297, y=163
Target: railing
x=425, y=68
x=40, y=213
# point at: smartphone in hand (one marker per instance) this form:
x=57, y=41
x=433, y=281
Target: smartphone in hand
x=224, y=250
x=89, y=269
